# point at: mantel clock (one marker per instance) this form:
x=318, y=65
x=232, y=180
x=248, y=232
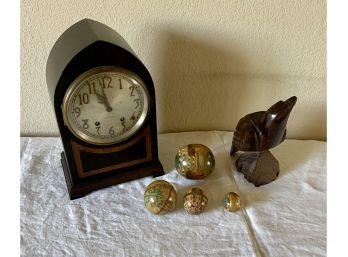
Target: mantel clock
x=104, y=102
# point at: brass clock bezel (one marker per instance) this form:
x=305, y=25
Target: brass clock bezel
x=78, y=82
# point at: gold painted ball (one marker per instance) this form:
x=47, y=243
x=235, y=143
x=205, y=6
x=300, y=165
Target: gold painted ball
x=232, y=202
x=160, y=197
x=194, y=161
x=195, y=201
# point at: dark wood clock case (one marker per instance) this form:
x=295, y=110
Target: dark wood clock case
x=85, y=45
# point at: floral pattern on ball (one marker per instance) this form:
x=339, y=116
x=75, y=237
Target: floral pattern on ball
x=195, y=201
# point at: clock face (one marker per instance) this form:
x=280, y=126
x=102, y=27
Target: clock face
x=105, y=105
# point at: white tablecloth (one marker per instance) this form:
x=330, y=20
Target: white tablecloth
x=284, y=218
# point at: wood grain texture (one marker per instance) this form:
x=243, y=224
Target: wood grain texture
x=255, y=134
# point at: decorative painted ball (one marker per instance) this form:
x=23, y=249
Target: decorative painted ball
x=160, y=197
x=195, y=201
x=194, y=161
x=232, y=202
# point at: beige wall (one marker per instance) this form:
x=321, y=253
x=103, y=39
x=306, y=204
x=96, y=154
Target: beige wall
x=212, y=61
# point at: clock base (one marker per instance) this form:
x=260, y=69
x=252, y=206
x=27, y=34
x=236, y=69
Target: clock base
x=154, y=169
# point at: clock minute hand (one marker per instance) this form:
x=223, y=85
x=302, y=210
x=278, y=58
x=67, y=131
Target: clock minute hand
x=105, y=100
x=100, y=98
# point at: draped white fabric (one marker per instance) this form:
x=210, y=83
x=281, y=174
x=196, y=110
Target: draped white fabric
x=284, y=218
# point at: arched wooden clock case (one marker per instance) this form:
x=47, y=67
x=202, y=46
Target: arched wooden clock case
x=87, y=167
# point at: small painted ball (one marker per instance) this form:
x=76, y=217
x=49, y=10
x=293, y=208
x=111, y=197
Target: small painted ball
x=194, y=161
x=195, y=201
x=232, y=202
x=160, y=197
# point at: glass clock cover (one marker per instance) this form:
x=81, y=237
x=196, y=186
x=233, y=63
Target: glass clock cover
x=105, y=105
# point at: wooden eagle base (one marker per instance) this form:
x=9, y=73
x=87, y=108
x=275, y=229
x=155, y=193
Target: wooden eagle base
x=259, y=168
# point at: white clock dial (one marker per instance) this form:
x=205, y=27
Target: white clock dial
x=105, y=105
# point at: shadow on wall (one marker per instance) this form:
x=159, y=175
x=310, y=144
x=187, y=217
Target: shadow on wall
x=194, y=88
x=202, y=85
x=309, y=118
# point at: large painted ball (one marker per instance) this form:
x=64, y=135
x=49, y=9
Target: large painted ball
x=194, y=161
x=160, y=197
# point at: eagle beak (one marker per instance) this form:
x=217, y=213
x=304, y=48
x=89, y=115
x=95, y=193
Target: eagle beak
x=291, y=102
x=285, y=112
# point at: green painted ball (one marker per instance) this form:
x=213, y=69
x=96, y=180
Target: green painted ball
x=194, y=161
x=160, y=197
